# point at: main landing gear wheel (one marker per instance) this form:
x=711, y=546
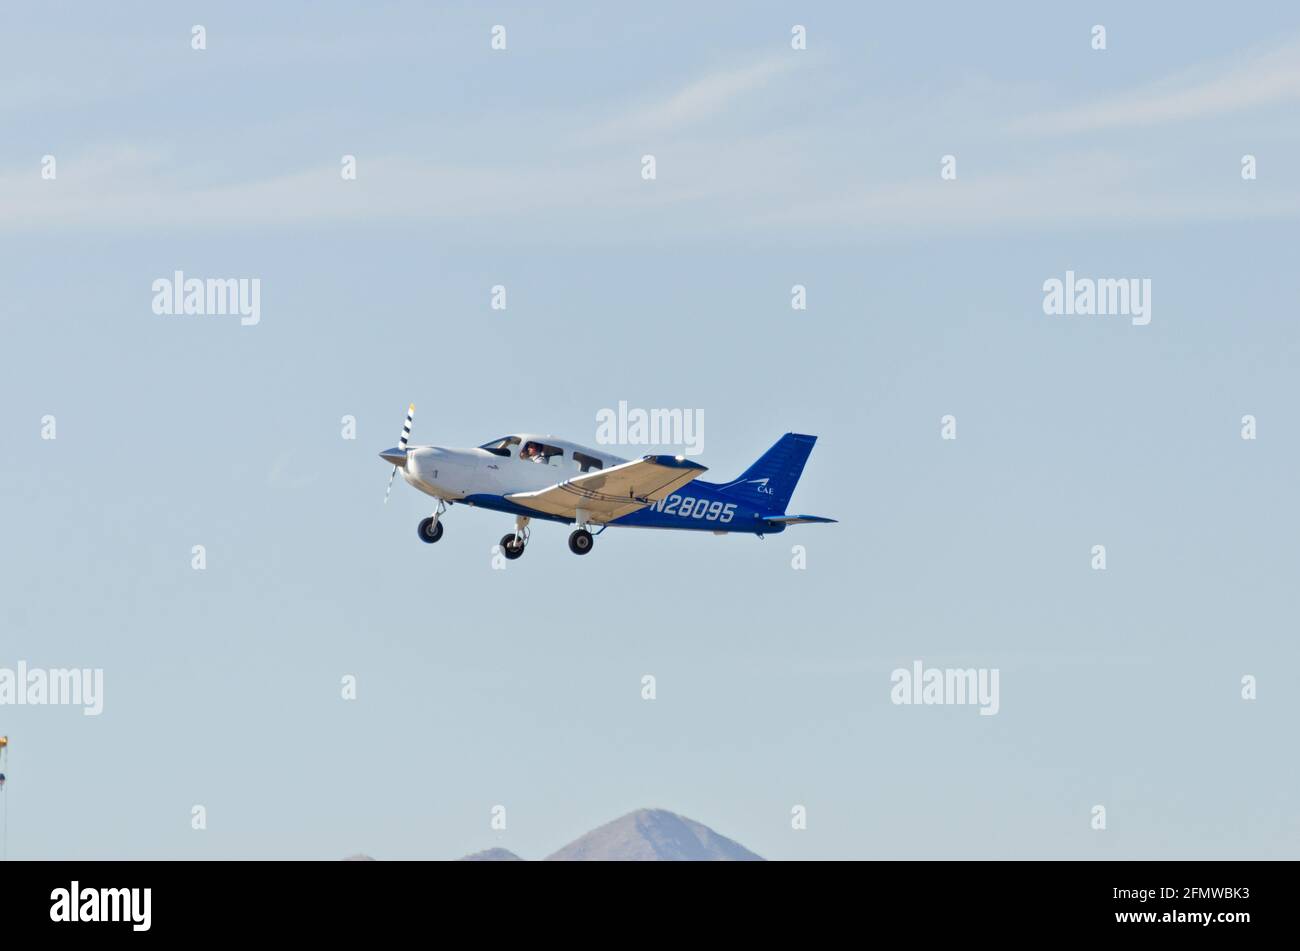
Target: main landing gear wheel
x=580, y=542
x=512, y=546
x=429, y=530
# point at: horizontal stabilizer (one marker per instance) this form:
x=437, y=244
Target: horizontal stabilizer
x=795, y=519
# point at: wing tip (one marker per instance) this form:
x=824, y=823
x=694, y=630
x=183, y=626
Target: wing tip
x=675, y=462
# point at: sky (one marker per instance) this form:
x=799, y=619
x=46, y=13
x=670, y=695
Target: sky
x=479, y=687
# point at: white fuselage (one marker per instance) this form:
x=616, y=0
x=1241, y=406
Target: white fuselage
x=454, y=474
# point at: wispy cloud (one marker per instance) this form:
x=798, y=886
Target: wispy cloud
x=754, y=185
x=862, y=167
x=593, y=173
x=701, y=99
x=1095, y=188
x=104, y=189
x=1263, y=79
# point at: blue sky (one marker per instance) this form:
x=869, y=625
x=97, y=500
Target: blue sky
x=775, y=167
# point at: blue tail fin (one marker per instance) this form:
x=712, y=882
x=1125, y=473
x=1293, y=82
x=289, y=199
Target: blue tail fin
x=769, y=482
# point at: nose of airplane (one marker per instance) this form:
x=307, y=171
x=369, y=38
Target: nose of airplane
x=394, y=456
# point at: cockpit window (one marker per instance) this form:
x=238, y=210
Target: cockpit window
x=539, y=452
x=501, y=447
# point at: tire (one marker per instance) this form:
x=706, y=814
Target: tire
x=429, y=531
x=580, y=542
x=511, y=547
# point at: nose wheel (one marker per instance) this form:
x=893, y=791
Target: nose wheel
x=580, y=542
x=430, y=529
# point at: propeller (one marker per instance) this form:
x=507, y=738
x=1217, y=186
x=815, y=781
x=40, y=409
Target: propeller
x=398, y=456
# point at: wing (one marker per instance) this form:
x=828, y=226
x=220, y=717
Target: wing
x=612, y=493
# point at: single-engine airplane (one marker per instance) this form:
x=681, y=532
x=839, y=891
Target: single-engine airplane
x=531, y=476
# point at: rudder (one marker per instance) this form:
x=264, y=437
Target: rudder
x=770, y=481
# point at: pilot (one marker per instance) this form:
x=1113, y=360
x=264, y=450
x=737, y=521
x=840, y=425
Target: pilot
x=533, y=452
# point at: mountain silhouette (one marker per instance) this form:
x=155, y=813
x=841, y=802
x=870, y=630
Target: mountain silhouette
x=653, y=835
x=646, y=835
x=491, y=855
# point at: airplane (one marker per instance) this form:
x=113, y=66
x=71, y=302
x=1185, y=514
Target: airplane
x=540, y=477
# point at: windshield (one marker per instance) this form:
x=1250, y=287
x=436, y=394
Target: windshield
x=501, y=447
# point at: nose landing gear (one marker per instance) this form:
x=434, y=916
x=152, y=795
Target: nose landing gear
x=430, y=529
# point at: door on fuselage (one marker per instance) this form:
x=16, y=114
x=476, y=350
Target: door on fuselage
x=538, y=464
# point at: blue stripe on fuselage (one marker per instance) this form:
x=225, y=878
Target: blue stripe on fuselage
x=499, y=503
x=700, y=506
x=704, y=498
